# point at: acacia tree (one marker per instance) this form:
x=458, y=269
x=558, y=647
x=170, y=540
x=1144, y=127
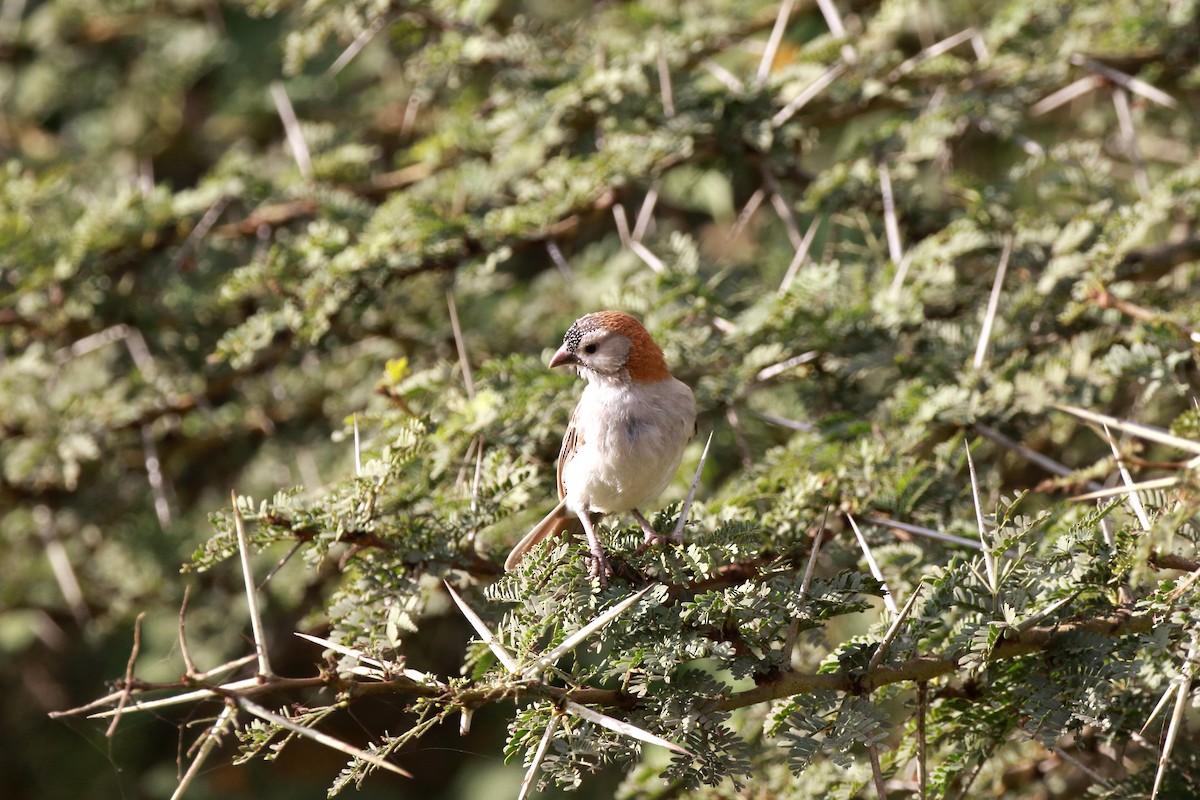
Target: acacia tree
x=928, y=269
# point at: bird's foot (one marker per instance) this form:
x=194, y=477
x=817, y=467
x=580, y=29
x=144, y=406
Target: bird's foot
x=599, y=567
x=653, y=537
x=656, y=539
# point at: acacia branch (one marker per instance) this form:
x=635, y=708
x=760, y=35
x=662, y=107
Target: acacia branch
x=927, y=668
x=1151, y=263
x=919, y=669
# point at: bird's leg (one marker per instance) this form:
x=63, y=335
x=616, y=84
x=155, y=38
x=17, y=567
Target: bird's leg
x=600, y=568
x=653, y=536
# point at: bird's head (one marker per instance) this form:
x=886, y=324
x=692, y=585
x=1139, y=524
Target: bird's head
x=611, y=346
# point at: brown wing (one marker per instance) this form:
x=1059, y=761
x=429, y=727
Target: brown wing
x=571, y=442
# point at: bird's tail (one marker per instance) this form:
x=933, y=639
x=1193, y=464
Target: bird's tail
x=558, y=520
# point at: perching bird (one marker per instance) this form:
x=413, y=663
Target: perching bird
x=626, y=435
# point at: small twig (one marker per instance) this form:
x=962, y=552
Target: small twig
x=1172, y=561
x=1106, y=299
x=645, y=215
x=1135, y=501
x=1045, y=462
x=1152, y=263
x=989, y=560
x=188, y=663
x=783, y=209
x=685, y=509
x=834, y=20
x=358, y=470
x=384, y=667
x=1137, y=429
x=1181, y=704
x=877, y=770
x=1135, y=85
x=901, y=273
x=410, y=115
x=228, y=666
x=922, y=768
x=890, y=223
x=281, y=563
x=476, y=442
x=1129, y=134
x=731, y=81
x=980, y=47
x=647, y=257
x=485, y=633
x=619, y=726
x=810, y=567
x=780, y=367
x=747, y=212
x=801, y=254
x=922, y=531
x=789, y=640
x=163, y=702
x=211, y=739
x=201, y=230
x=933, y=51
x=291, y=127
x=890, y=636
x=989, y=317
x=60, y=565
x=622, y=223
x=317, y=736
x=256, y=624
x=556, y=255
x=162, y=505
x=783, y=422
x=1042, y=614
x=127, y=686
x=478, y=474
x=1184, y=585
x=145, y=176
x=547, y=659
x=1065, y=95
x=664, y=80
x=355, y=47
x=464, y=722
x=461, y=346
x=888, y=601
x=1158, y=708
x=1079, y=765
x=538, y=755
x=92, y=342
x=773, y=42
x=806, y=96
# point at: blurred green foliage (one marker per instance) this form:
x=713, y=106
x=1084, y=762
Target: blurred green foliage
x=229, y=236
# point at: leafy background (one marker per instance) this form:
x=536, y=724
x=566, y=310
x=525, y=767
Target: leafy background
x=233, y=233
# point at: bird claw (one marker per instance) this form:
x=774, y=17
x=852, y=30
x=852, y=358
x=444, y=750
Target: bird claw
x=660, y=539
x=653, y=537
x=599, y=568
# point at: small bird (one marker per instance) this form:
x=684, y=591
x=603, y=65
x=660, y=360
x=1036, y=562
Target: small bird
x=626, y=435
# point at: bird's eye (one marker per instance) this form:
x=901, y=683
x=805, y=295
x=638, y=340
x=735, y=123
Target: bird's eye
x=591, y=348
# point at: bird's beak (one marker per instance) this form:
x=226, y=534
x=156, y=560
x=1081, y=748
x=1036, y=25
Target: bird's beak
x=563, y=357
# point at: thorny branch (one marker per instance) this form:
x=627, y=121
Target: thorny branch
x=921, y=669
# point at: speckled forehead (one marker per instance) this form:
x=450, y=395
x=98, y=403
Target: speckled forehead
x=575, y=333
x=612, y=321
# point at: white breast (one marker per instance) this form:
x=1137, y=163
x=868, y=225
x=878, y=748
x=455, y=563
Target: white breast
x=633, y=437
